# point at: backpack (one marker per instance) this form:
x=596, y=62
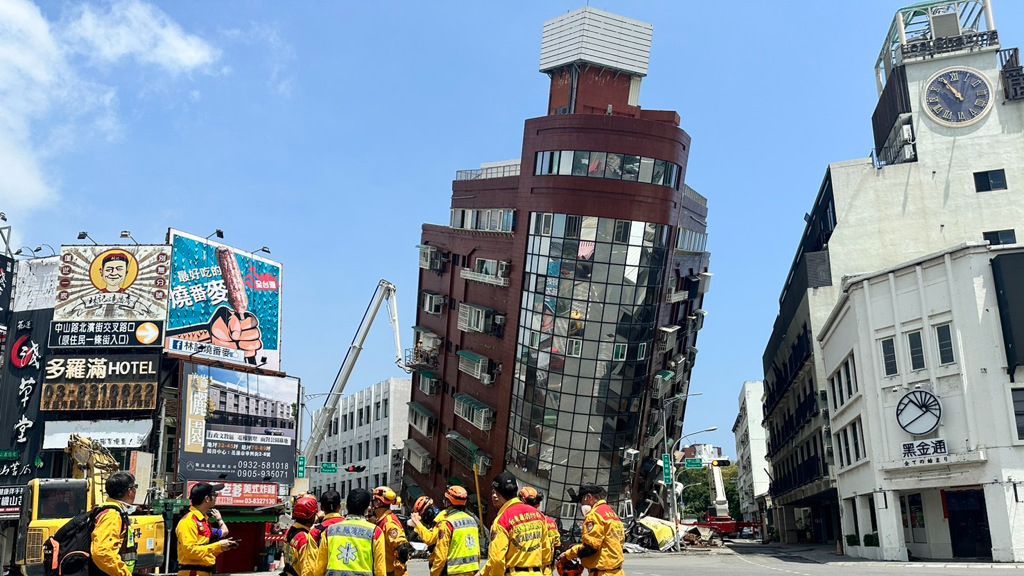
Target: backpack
x=69, y=551
x=289, y=569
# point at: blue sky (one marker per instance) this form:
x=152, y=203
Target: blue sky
x=330, y=131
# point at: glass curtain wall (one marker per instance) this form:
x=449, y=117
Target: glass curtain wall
x=587, y=324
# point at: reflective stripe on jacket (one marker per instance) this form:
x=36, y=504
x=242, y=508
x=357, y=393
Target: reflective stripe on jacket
x=354, y=547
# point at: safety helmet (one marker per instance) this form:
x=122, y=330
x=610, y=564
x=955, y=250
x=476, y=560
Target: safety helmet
x=397, y=505
x=422, y=504
x=456, y=495
x=566, y=567
x=530, y=495
x=305, y=508
x=383, y=497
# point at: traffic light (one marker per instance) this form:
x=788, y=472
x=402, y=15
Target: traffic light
x=720, y=463
x=355, y=468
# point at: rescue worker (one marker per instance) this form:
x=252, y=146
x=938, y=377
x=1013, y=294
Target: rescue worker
x=199, y=543
x=300, y=551
x=424, y=519
x=113, y=547
x=602, y=535
x=519, y=540
x=354, y=546
x=396, y=545
x=455, y=536
x=531, y=496
x=330, y=507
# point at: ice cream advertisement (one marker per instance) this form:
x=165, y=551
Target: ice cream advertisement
x=223, y=303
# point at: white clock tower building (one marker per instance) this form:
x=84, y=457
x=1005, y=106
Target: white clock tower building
x=945, y=172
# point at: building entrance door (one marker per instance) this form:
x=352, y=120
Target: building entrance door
x=968, y=524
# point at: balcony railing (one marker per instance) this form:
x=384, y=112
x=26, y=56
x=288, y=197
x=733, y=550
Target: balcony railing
x=492, y=279
x=490, y=172
x=806, y=472
x=672, y=295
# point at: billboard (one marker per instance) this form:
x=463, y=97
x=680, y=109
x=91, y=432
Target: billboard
x=111, y=296
x=20, y=425
x=224, y=303
x=35, y=284
x=100, y=382
x=248, y=495
x=11, y=498
x=6, y=290
x=237, y=427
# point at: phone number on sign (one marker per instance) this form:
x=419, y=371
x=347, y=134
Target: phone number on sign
x=273, y=470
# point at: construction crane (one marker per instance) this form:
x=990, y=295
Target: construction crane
x=385, y=294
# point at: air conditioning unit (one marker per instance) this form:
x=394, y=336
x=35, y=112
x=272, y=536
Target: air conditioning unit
x=906, y=153
x=906, y=134
x=630, y=456
x=499, y=319
x=504, y=269
x=676, y=361
x=486, y=379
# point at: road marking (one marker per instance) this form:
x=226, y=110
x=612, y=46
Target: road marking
x=740, y=556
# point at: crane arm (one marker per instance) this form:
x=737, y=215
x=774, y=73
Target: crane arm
x=385, y=292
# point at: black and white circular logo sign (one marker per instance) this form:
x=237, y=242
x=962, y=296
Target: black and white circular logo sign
x=919, y=412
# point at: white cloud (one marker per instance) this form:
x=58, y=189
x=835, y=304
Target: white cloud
x=46, y=105
x=134, y=29
x=280, y=53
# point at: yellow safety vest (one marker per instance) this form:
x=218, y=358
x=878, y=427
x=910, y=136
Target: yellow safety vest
x=464, y=552
x=350, y=544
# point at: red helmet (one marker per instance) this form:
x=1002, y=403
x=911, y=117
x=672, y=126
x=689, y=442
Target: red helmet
x=384, y=497
x=529, y=495
x=421, y=504
x=569, y=567
x=305, y=508
x=456, y=495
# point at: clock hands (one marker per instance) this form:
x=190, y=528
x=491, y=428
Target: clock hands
x=955, y=92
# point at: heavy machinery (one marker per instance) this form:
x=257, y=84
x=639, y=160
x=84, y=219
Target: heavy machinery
x=49, y=503
x=384, y=294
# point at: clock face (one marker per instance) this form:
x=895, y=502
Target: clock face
x=958, y=97
x=918, y=412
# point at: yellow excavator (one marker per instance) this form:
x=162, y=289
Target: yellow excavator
x=49, y=503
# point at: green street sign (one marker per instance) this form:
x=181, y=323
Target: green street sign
x=10, y=454
x=694, y=463
x=329, y=467
x=300, y=470
x=666, y=468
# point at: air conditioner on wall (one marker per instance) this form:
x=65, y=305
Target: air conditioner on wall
x=499, y=319
x=631, y=455
x=486, y=378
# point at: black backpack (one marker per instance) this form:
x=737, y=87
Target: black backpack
x=69, y=551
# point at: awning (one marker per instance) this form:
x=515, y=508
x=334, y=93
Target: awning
x=471, y=356
x=421, y=409
x=473, y=402
x=462, y=441
x=666, y=375
x=109, y=433
x=415, y=448
x=414, y=491
x=423, y=329
x=428, y=374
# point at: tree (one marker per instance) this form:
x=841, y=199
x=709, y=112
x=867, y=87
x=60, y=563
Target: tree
x=697, y=497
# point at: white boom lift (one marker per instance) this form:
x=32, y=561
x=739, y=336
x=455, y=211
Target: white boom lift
x=385, y=294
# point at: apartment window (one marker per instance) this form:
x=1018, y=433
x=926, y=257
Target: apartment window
x=621, y=232
x=916, y=350
x=574, y=348
x=376, y=446
x=376, y=411
x=838, y=442
x=990, y=180
x=856, y=440
x=835, y=397
x=384, y=441
x=641, y=351
x=944, y=336
x=1018, y=411
x=998, y=237
x=846, y=445
x=619, y=352
x=889, y=357
x=385, y=407
x=360, y=416
x=360, y=446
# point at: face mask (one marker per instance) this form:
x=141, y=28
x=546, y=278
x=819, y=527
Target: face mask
x=130, y=509
x=585, y=509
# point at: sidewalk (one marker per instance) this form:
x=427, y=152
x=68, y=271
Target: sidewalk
x=826, y=554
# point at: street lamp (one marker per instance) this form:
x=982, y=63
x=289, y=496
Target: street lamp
x=128, y=234
x=40, y=248
x=83, y=235
x=672, y=472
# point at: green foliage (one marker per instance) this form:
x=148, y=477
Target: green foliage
x=871, y=540
x=852, y=540
x=698, y=496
